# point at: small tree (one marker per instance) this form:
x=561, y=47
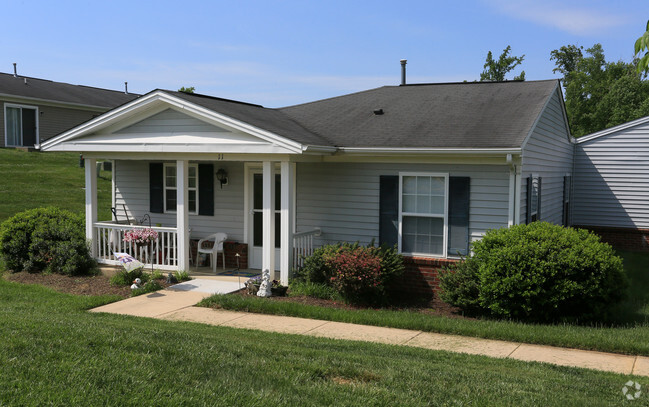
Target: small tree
x=189, y=89
x=642, y=44
x=495, y=71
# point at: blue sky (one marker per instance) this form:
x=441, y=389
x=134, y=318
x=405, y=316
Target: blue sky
x=280, y=53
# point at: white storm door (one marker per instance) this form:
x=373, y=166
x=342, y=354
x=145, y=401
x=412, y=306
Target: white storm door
x=256, y=223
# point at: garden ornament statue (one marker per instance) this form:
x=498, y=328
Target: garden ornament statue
x=136, y=284
x=265, y=287
x=171, y=279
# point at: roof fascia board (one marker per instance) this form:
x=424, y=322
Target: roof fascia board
x=52, y=102
x=222, y=119
x=182, y=105
x=426, y=151
x=98, y=122
x=613, y=129
x=201, y=156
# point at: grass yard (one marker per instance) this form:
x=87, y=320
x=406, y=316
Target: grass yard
x=55, y=353
x=34, y=179
x=627, y=334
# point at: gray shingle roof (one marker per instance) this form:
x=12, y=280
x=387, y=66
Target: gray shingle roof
x=62, y=92
x=452, y=115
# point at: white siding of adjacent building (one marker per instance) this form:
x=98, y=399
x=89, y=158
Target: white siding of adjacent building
x=343, y=198
x=612, y=178
x=548, y=153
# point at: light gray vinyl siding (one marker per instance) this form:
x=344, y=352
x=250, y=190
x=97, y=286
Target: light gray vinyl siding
x=170, y=121
x=52, y=120
x=548, y=154
x=612, y=179
x=132, y=189
x=343, y=199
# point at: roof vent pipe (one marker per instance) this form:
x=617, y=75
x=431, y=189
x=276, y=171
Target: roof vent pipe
x=126, y=88
x=403, y=71
x=15, y=71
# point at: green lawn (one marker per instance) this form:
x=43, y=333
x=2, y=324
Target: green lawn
x=55, y=353
x=628, y=333
x=34, y=179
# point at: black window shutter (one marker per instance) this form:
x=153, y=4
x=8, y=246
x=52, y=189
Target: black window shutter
x=459, y=189
x=528, y=218
x=206, y=189
x=389, y=210
x=538, y=205
x=156, y=188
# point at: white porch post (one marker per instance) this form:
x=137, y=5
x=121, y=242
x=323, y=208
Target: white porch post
x=91, y=202
x=182, y=216
x=286, y=236
x=268, y=239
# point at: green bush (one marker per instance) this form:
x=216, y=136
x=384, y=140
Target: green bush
x=315, y=290
x=359, y=274
x=46, y=240
x=538, y=272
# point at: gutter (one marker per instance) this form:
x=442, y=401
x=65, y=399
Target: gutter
x=426, y=150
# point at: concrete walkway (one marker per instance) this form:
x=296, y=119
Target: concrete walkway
x=178, y=305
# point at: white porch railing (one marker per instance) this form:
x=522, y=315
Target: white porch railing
x=161, y=254
x=303, y=246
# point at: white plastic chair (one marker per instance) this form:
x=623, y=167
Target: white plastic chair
x=213, y=251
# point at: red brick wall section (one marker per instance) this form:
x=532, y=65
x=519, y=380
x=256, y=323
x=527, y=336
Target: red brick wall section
x=636, y=240
x=421, y=275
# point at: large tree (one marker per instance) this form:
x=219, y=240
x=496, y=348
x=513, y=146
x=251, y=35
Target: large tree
x=495, y=71
x=599, y=94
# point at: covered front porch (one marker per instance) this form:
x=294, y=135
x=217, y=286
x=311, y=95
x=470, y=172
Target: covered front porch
x=254, y=206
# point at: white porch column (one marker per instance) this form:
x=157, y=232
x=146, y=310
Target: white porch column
x=91, y=202
x=182, y=216
x=286, y=236
x=268, y=238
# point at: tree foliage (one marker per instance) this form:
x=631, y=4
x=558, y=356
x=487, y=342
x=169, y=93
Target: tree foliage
x=599, y=94
x=642, y=44
x=189, y=89
x=495, y=71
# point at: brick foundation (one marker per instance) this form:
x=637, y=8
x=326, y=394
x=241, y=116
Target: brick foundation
x=421, y=275
x=231, y=249
x=636, y=240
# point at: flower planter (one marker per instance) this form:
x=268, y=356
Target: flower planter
x=279, y=291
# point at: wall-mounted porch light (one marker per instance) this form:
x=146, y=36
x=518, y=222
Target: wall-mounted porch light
x=222, y=176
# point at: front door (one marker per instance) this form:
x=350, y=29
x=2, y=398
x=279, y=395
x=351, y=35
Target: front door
x=256, y=223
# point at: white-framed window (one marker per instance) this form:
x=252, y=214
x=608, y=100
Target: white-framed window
x=21, y=125
x=533, y=198
x=423, y=214
x=171, y=190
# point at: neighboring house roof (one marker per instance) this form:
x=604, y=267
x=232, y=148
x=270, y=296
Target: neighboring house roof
x=42, y=89
x=460, y=115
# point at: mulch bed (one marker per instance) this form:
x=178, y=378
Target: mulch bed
x=78, y=285
x=100, y=285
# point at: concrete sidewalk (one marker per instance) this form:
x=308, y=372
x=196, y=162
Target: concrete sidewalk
x=176, y=305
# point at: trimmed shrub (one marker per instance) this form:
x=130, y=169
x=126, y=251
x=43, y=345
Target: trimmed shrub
x=538, y=272
x=359, y=274
x=46, y=240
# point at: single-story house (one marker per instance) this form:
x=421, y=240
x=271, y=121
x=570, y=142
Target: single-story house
x=426, y=167
x=612, y=184
x=34, y=110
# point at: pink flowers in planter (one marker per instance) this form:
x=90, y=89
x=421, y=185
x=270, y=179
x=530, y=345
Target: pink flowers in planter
x=140, y=236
